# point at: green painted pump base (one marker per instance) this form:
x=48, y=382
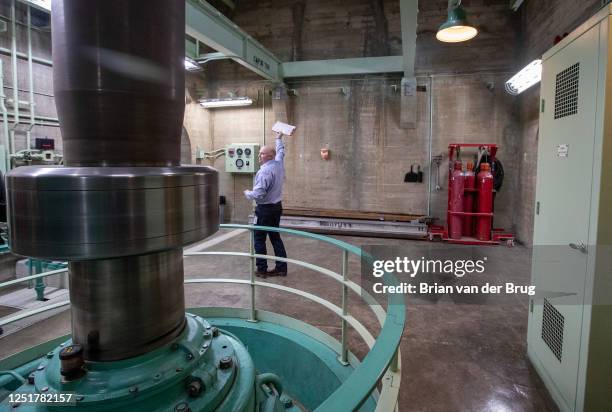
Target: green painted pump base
x=204, y=369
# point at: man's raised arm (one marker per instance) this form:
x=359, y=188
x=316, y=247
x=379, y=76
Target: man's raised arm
x=280, y=148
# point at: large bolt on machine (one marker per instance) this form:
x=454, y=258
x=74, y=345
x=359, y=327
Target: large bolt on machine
x=119, y=212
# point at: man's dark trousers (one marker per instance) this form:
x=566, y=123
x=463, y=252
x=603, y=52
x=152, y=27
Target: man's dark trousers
x=269, y=215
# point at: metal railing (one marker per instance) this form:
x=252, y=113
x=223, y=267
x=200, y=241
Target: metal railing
x=381, y=364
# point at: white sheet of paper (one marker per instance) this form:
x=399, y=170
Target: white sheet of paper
x=283, y=128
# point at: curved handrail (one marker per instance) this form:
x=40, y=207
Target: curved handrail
x=379, y=358
x=32, y=277
x=382, y=357
x=361, y=330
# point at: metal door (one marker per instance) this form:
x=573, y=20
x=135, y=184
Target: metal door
x=565, y=157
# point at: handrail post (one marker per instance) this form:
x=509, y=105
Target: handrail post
x=30, y=271
x=394, y=366
x=39, y=282
x=343, y=359
x=253, y=317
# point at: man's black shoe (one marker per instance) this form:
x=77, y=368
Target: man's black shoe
x=276, y=272
x=262, y=273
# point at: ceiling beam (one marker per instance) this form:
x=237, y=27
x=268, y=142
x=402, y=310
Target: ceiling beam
x=409, y=10
x=337, y=67
x=207, y=25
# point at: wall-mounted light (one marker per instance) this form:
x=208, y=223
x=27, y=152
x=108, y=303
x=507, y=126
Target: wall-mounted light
x=456, y=27
x=191, y=65
x=523, y=80
x=230, y=102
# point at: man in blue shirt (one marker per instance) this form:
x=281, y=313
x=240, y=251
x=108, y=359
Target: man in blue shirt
x=268, y=193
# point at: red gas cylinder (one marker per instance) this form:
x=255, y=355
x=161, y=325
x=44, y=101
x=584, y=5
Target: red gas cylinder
x=484, y=184
x=455, y=201
x=468, y=199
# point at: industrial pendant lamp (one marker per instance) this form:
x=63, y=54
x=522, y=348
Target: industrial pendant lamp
x=456, y=28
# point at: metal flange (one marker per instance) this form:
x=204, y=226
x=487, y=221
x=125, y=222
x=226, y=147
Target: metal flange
x=161, y=380
x=85, y=213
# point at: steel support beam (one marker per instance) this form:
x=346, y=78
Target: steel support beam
x=337, y=67
x=207, y=25
x=409, y=10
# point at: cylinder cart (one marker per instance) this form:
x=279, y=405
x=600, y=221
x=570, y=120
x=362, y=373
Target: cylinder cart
x=482, y=153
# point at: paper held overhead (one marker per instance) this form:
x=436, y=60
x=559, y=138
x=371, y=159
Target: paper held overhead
x=283, y=128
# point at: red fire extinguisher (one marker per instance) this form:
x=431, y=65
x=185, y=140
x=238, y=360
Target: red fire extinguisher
x=484, y=183
x=455, y=203
x=468, y=199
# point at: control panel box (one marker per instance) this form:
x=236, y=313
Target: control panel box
x=242, y=158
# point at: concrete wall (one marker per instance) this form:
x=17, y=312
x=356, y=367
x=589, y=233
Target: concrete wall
x=43, y=74
x=541, y=22
x=370, y=152
x=358, y=118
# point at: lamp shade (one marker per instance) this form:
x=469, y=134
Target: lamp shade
x=456, y=28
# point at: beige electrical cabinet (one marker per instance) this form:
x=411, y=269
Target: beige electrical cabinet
x=570, y=318
x=242, y=158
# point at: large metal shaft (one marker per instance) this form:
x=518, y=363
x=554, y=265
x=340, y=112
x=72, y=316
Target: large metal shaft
x=123, y=207
x=125, y=307
x=119, y=80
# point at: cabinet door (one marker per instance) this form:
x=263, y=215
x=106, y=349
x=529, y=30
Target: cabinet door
x=563, y=193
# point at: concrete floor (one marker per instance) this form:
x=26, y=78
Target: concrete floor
x=456, y=355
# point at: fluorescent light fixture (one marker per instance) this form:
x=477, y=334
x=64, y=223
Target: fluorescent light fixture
x=231, y=102
x=523, y=80
x=191, y=66
x=516, y=4
x=40, y=4
x=456, y=28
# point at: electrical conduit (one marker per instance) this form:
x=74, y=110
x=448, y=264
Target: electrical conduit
x=11, y=149
x=5, y=126
x=30, y=80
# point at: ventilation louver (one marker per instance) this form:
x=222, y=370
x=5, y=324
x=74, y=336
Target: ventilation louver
x=552, y=329
x=566, y=92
